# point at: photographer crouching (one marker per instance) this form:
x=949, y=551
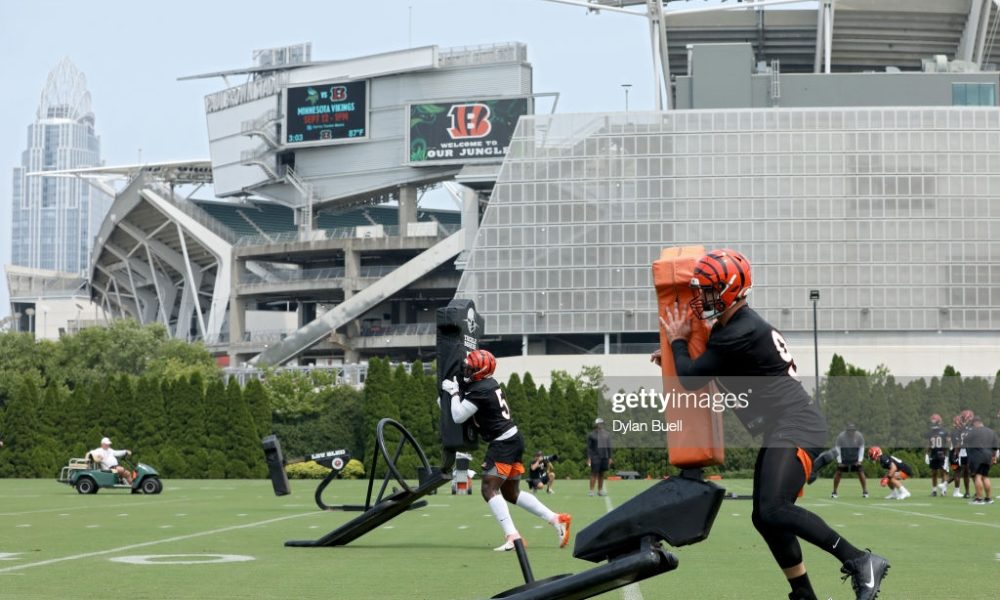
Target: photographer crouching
x=541, y=473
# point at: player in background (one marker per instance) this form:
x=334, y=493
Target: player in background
x=850, y=450
x=936, y=455
x=955, y=474
x=962, y=426
x=983, y=451
x=480, y=398
x=896, y=473
x=745, y=354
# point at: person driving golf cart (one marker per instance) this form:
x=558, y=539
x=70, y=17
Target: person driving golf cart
x=107, y=459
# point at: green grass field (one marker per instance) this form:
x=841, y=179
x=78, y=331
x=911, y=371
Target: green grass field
x=56, y=544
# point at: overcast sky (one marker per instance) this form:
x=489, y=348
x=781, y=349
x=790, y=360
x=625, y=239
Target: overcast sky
x=133, y=52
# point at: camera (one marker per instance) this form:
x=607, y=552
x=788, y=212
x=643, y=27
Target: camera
x=550, y=458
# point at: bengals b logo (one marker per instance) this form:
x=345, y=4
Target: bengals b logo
x=469, y=121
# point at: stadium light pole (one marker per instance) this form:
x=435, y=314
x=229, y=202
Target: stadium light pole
x=626, y=86
x=814, y=296
x=31, y=320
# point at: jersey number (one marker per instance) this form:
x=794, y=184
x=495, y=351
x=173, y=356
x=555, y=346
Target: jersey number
x=782, y=347
x=937, y=442
x=504, y=409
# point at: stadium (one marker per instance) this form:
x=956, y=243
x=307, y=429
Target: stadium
x=829, y=180
x=849, y=149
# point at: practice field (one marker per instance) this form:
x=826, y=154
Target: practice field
x=224, y=540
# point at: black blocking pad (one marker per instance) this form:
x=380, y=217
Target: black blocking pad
x=275, y=465
x=459, y=328
x=678, y=510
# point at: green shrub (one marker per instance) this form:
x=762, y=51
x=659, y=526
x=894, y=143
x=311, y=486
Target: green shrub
x=306, y=470
x=353, y=470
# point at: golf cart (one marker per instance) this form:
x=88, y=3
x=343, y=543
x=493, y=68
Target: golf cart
x=87, y=477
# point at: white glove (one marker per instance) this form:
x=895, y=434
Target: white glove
x=927, y=459
x=450, y=386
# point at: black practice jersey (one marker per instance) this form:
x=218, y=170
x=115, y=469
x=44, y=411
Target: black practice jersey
x=937, y=441
x=956, y=437
x=885, y=460
x=492, y=416
x=748, y=356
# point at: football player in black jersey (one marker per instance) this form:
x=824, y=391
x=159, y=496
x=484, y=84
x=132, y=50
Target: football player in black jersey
x=938, y=449
x=955, y=476
x=480, y=398
x=741, y=346
x=896, y=472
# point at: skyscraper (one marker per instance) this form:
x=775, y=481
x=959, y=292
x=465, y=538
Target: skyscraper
x=54, y=219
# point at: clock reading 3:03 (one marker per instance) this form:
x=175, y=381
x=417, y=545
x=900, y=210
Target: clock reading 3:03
x=322, y=113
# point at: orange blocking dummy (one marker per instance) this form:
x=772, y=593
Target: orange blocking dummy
x=700, y=441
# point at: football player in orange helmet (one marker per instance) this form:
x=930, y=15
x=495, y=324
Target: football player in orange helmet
x=745, y=354
x=938, y=447
x=480, y=398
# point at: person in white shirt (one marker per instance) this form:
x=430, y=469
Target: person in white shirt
x=107, y=458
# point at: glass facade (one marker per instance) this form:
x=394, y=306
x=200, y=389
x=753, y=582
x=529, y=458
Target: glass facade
x=54, y=219
x=892, y=213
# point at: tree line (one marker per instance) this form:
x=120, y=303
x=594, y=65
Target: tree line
x=168, y=402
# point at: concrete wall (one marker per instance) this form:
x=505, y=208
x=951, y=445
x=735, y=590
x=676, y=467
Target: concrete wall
x=903, y=358
x=722, y=78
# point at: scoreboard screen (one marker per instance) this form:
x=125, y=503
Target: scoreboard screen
x=326, y=113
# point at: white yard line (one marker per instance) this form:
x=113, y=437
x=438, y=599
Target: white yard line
x=152, y=543
x=920, y=514
x=80, y=507
x=631, y=591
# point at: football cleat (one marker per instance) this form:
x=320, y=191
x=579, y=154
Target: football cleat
x=866, y=573
x=508, y=544
x=834, y=495
x=562, y=528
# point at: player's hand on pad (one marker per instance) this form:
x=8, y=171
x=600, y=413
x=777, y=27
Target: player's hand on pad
x=655, y=357
x=677, y=325
x=450, y=386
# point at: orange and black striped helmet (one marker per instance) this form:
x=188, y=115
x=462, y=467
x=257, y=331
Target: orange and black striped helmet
x=721, y=278
x=479, y=364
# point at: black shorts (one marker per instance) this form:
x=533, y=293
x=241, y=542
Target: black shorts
x=503, y=459
x=980, y=467
x=963, y=461
x=598, y=465
x=937, y=462
x=850, y=468
x=535, y=481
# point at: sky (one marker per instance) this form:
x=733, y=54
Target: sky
x=133, y=52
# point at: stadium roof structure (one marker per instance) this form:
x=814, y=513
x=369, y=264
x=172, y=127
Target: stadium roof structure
x=823, y=35
x=865, y=35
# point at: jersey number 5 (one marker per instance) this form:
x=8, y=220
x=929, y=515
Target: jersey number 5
x=504, y=409
x=782, y=347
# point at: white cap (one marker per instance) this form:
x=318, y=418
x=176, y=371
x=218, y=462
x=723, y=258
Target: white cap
x=105, y=441
x=598, y=421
